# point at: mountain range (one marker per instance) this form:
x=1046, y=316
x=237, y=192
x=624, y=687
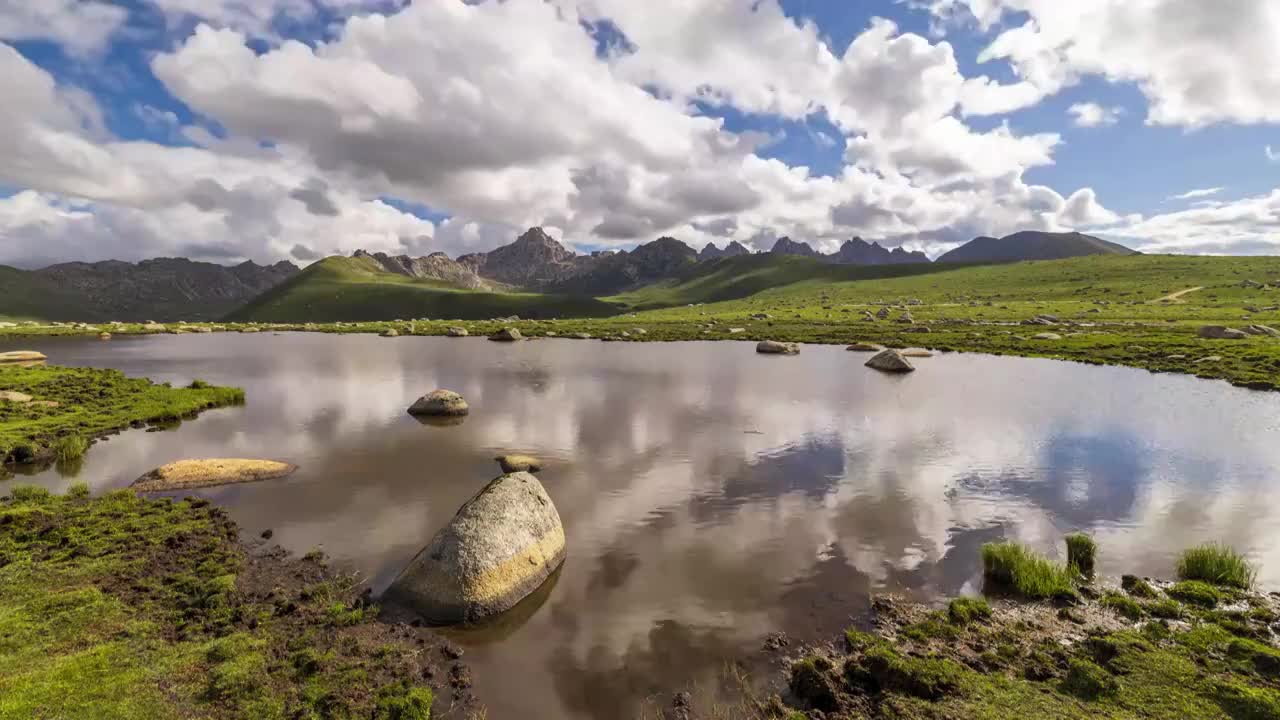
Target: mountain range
x=176, y=289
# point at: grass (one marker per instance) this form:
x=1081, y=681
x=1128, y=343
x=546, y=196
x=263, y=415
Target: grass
x=125, y=607
x=72, y=405
x=1217, y=564
x=1028, y=660
x=1082, y=553
x=1018, y=569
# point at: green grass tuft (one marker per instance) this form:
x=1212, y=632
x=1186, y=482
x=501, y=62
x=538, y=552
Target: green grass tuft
x=1217, y=564
x=1089, y=681
x=1016, y=568
x=1196, y=592
x=1082, y=553
x=965, y=610
x=69, y=447
x=1123, y=606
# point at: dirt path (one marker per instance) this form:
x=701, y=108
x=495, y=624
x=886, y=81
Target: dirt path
x=1175, y=297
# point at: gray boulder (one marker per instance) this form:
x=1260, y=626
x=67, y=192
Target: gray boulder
x=1262, y=330
x=457, y=332
x=890, y=361
x=506, y=335
x=500, y=547
x=440, y=403
x=773, y=347
x=1219, y=332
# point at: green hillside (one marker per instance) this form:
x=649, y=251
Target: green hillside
x=346, y=289
x=25, y=297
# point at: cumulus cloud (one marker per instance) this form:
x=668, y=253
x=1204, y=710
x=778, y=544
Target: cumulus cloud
x=81, y=26
x=1092, y=114
x=1272, y=155
x=1249, y=226
x=1198, y=63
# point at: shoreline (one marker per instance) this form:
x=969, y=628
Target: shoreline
x=1186, y=355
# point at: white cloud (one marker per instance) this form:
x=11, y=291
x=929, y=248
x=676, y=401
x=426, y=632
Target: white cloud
x=81, y=26
x=1198, y=63
x=1249, y=226
x=1199, y=193
x=1094, y=115
x=1272, y=155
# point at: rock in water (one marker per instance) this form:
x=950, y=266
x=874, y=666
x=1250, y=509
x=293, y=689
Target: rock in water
x=187, y=474
x=390, y=332
x=1219, y=332
x=17, y=356
x=440, y=403
x=457, y=332
x=519, y=463
x=501, y=546
x=890, y=361
x=865, y=347
x=773, y=347
x=506, y=335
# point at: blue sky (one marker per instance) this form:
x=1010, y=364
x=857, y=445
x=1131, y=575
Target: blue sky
x=773, y=73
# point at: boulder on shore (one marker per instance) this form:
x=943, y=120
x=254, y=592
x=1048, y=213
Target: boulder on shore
x=519, y=463
x=506, y=335
x=188, y=474
x=17, y=356
x=1220, y=332
x=500, y=547
x=440, y=403
x=391, y=332
x=457, y=332
x=890, y=361
x=773, y=347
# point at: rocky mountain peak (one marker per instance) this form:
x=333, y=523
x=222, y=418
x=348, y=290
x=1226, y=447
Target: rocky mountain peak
x=787, y=246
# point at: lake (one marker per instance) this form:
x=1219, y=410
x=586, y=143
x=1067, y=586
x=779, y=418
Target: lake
x=709, y=495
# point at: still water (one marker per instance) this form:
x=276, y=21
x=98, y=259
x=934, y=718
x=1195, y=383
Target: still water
x=709, y=495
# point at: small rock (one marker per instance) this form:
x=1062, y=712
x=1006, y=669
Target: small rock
x=267, y=534
x=890, y=361
x=917, y=329
x=457, y=332
x=1047, y=336
x=519, y=463
x=391, y=332
x=865, y=347
x=440, y=403
x=735, y=331
x=22, y=356
x=507, y=335
x=1262, y=330
x=14, y=396
x=1219, y=332
x=916, y=353
x=773, y=347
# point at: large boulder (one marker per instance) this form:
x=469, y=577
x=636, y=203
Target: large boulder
x=773, y=347
x=187, y=474
x=506, y=335
x=440, y=403
x=1219, y=332
x=890, y=361
x=500, y=547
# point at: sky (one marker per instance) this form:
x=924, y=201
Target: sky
x=226, y=130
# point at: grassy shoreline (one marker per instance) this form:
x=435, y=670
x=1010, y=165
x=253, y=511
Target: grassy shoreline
x=1048, y=642
x=60, y=411
x=125, y=607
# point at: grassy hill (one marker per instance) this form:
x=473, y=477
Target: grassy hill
x=1033, y=245
x=24, y=296
x=350, y=289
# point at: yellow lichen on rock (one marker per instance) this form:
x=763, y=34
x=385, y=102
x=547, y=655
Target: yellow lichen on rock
x=188, y=474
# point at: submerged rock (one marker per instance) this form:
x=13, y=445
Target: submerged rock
x=519, y=463
x=773, y=347
x=186, y=474
x=17, y=356
x=506, y=335
x=457, y=332
x=865, y=347
x=890, y=361
x=1219, y=332
x=916, y=353
x=104, y=336
x=440, y=403
x=500, y=547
